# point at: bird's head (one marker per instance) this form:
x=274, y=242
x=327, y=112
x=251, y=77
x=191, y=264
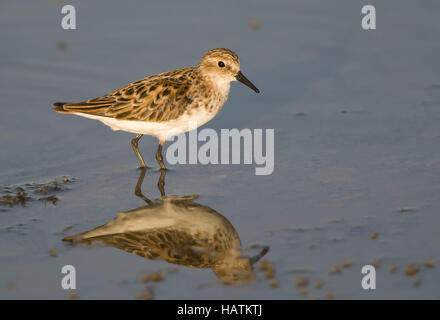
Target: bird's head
x=223, y=66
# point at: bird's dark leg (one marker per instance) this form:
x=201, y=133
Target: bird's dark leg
x=161, y=182
x=138, y=191
x=134, y=144
x=159, y=157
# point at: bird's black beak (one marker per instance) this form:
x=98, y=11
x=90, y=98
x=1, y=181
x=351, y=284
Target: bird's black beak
x=240, y=77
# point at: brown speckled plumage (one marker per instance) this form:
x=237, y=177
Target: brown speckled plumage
x=174, y=246
x=162, y=97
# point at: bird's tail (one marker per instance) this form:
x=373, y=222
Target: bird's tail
x=59, y=107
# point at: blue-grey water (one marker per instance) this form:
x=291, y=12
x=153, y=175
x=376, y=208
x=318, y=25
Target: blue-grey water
x=357, y=129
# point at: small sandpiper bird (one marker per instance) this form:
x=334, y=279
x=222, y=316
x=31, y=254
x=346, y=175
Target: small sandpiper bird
x=166, y=104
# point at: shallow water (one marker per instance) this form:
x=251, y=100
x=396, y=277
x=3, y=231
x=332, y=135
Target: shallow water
x=356, y=118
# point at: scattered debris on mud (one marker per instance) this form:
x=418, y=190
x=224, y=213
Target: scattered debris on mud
x=13, y=195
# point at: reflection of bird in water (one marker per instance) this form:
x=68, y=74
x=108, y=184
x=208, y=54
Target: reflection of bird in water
x=180, y=231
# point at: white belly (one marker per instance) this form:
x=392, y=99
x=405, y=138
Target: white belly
x=161, y=130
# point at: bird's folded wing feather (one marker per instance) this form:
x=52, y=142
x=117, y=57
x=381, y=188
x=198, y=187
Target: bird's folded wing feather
x=157, y=98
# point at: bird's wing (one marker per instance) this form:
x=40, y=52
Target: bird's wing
x=157, y=98
x=174, y=246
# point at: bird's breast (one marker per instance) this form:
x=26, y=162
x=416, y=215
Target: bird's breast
x=212, y=100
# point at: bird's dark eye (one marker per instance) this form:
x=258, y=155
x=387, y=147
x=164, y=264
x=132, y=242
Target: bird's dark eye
x=221, y=64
